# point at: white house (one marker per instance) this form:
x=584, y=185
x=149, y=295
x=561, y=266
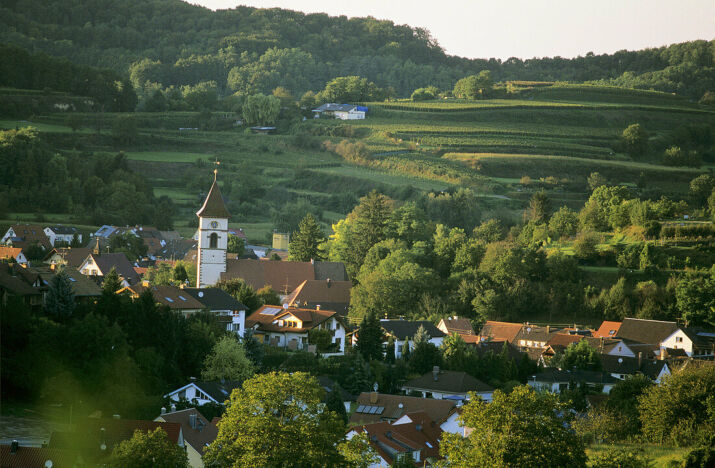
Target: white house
x=696, y=342
x=62, y=234
x=288, y=327
x=403, y=331
x=451, y=385
x=556, y=380
x=201, y=393
x=13, y=252
x=227, y=309
x=341, y=111
x=197, y=431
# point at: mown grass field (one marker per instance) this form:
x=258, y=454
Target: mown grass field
x=166, y=156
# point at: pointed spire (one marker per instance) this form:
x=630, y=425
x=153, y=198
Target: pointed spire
x=96, y=248
x=214, y=206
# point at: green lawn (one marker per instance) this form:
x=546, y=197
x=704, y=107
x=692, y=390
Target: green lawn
x=167, y=156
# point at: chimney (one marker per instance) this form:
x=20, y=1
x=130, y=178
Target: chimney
x=317, y=307
x=435, y=373
x=663, y=354
x=192, y=420
x=640, y=359
x=14, y=446
x=373, y=397
x=163, y=410
x=173, y=407
x=548, y=328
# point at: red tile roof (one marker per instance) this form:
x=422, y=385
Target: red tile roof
x=36, y=457
x=504, y=331
x=607, y=329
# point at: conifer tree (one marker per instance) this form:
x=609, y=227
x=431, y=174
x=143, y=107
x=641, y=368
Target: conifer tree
x=112, y=283
x=59, y=301
x=369, y=341
x=305, y=243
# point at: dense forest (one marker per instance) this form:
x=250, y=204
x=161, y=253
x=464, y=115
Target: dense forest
x=165, y=43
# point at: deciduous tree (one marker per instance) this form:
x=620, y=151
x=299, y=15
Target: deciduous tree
x=227, y=361
x=521, y=429
x=277, y=419
x=148, y=450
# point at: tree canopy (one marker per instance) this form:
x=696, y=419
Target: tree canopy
x=277, y=407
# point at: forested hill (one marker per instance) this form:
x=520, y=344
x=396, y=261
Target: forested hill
x=255, y=50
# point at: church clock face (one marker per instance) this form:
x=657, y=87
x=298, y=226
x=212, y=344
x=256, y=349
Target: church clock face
x=214, y=224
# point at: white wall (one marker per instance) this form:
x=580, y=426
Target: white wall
x=678, y=340
x=211, y=262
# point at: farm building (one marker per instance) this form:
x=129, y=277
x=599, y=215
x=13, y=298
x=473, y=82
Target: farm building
x=341, y=111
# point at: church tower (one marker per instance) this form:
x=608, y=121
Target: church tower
x=213, y=237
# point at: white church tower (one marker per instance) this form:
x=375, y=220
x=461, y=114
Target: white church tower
x=213, y=237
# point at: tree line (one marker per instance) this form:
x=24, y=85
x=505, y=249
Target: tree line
x=256, y=50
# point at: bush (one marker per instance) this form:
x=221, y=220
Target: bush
x=621, y=458
x=585, y=245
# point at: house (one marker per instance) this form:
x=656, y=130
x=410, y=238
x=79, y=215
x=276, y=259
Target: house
x=198, y=432
x=72, y=257
x=499, y=331
x=13, y=252
x=645, y=332
x=341, y=111
x=99, y=264
x=202, y=393
x=283, y=277
x=607, y=329
x=229, y=311
x=62, y=234
x=458, y=325
x=151, y=237
x=375, y=407
x=16, y=281
x=452, y=385
x=403, y=332
x=533, y=336
x=329, y=385
x=17, y=456
x=25, y=235
x=85, y=289
x=696, y=342
x=173, y=297
x=326, y=294
x=559, y=342
x=95, y=439
x=612, y=346
x=177, y=249
x=288, y=327
x=556, y=380
x=414, y=437
x=621, y=367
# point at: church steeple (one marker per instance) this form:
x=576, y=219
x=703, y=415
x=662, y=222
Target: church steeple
x=213, y=237
x=214, y=207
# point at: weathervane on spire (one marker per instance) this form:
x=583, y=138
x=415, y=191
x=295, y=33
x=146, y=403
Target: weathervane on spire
x=216, y=163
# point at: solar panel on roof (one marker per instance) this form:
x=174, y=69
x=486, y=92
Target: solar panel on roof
x=270, y=311
x=380, y=410
x=373, y=409
x=360, y=409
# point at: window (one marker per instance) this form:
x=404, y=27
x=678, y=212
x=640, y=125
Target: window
x=213, y=240
x=678, y=339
